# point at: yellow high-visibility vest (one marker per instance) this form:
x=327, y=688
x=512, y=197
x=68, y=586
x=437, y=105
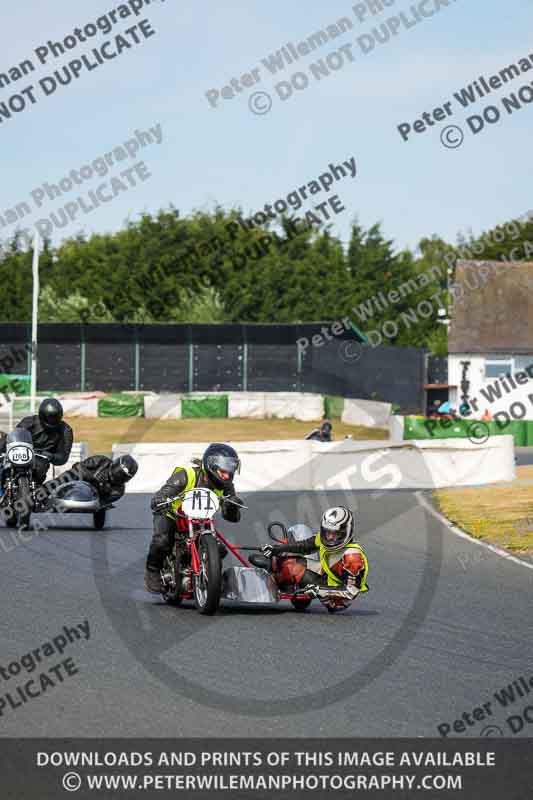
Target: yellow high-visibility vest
x=334, y=580
x=191, y=484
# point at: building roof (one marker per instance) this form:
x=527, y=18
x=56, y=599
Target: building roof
x=493, y=312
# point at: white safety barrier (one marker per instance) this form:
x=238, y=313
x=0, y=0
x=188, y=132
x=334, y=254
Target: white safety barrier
x=295, y=405
x=162, y=406
x=308, y=465
x=79, y=406
x=246, y=405
x=396, y=424
x=369, y=413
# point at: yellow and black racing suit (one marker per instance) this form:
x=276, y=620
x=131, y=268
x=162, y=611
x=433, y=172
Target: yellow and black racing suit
x=181, y=480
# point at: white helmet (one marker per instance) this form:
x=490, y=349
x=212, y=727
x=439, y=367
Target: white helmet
x=336, y=528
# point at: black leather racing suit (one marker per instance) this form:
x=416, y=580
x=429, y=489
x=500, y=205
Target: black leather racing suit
x=96, y=471
x=55, y=443
x=318, y=435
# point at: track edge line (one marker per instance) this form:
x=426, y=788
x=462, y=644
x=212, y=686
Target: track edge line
x=464, y=535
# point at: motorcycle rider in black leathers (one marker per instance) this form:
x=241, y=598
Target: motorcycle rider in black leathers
x=52, y=437
x=322, y=434
x=214, y=471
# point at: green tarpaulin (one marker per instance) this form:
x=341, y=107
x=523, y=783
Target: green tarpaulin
x=421, y=428
x=529, y=433
x=213, y=406
x=14, y=384
x=121, y=405
x=333, y=406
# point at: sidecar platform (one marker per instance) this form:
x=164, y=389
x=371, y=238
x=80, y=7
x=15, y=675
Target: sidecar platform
x=249, y=585
x=76, y=497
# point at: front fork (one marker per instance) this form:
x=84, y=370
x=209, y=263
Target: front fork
x=195, y=557
x=10, y=494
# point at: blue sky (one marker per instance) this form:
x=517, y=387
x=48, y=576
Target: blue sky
x=232, y=157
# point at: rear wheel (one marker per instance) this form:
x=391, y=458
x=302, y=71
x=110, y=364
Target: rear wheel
x=301, y=603
x=208, y=584
x=23, y=503
x=173, y=598
x=99, y=519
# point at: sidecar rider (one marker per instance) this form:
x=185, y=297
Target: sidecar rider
x=343, y=563
x=216, y=471
x=52, y=437
x=108, y=476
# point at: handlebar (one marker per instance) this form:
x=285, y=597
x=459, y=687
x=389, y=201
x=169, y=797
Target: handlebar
x=233, y=502
x=169, y=501
x=181, y=496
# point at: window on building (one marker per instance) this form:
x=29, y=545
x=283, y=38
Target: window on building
x=494, y=367
x=522, y=362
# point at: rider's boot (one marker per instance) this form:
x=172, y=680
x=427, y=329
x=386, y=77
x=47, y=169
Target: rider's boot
x=152, y=581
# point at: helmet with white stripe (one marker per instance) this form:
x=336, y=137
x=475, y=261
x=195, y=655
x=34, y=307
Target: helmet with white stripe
x=336, y=528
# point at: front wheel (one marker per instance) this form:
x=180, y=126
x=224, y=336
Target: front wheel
x=208, y=584
x=23, y=503
x=10, y=519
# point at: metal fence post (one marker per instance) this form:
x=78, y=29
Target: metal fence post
x=136, y=361
x=191, y=368
x=245, y=367
x=82, y=364
x=299, y=367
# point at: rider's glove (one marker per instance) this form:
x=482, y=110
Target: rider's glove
x=312, y=590
x=233, y=500
x=230, y=509
x=157, y=503
x=268, y=550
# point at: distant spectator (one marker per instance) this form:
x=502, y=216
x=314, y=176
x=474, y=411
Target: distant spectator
x=434, y=410
x=322, y=434
x=487, y=416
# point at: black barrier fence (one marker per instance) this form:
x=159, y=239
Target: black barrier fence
x=187, y=358
x=437, y=370
x=48, y=769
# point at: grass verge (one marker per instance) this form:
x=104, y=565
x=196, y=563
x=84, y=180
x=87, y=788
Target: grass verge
x=102, y=432
x=500, y=514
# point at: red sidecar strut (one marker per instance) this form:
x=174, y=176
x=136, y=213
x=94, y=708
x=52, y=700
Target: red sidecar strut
x=233, y=548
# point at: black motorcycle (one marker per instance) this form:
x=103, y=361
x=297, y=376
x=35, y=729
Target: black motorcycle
x=22, y=495
x=17, y=478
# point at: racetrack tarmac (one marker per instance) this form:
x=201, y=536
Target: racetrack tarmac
x=445, y=626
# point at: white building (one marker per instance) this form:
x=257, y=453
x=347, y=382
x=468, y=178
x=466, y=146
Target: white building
x=490, y=362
